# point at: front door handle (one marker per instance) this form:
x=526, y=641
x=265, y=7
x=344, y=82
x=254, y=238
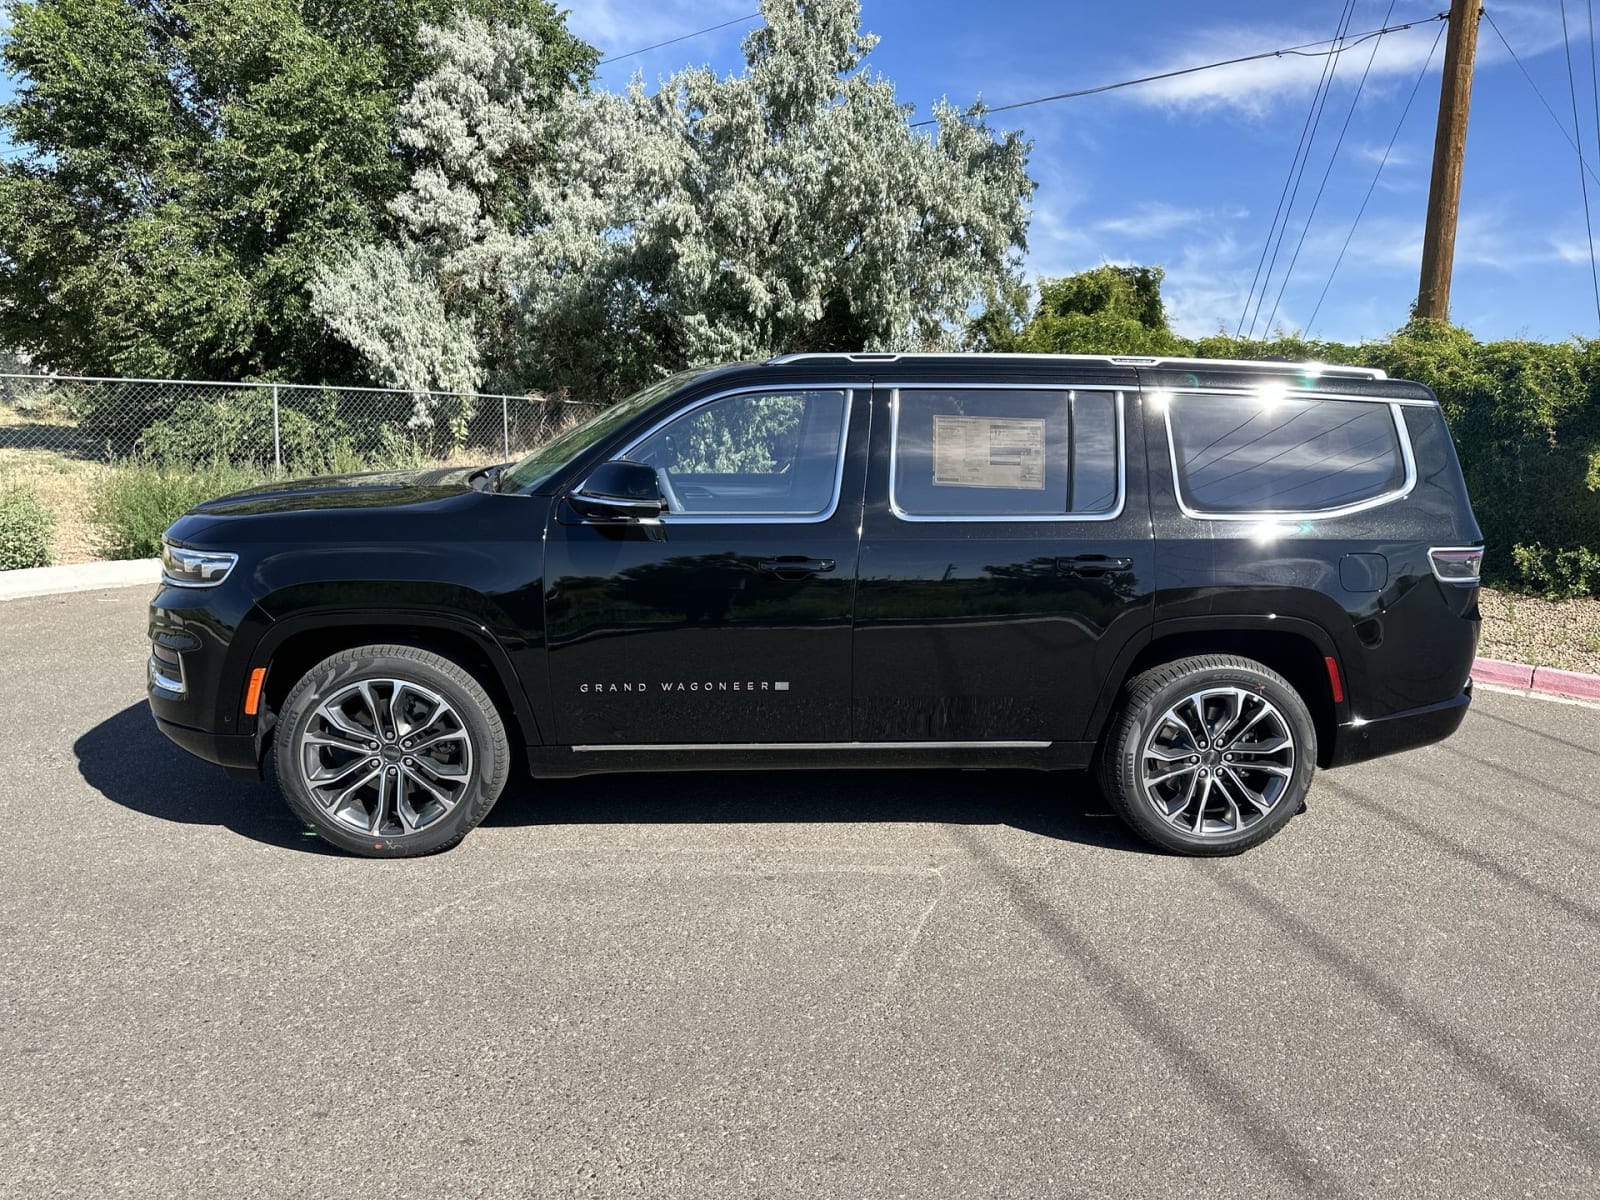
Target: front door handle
x=1091, y=566
x=795, y=566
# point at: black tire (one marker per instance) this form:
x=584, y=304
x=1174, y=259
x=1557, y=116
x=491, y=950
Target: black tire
x=1135, y=740
x=475, y=746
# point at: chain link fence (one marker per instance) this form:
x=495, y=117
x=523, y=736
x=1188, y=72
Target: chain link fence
x=287, y=429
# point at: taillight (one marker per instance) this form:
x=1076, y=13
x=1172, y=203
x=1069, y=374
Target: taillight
x=1457, y=565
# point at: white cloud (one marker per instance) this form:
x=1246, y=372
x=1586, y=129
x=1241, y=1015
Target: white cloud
x=1399, y=156
x=1153, y=219
x=1571, y=249
x=1255, y=88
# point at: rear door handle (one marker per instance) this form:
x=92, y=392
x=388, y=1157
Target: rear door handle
x=1092, y=565
x=795, y=566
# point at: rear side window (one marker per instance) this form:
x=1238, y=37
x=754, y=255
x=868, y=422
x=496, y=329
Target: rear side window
x=1269, y=453
x=991, y=453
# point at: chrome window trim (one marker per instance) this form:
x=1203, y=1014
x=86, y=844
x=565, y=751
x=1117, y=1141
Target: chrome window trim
x=819, y=746
x=1157, y=391
x=1402, y=434
x=670, y=518
x=1004, y=519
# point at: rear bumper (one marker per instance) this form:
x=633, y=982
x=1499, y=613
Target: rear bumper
x=235, y=752
x=1359, y=741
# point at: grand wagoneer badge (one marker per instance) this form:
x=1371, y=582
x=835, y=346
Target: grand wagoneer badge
x=691, y=685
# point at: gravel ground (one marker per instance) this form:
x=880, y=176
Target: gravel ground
x=1546, y=633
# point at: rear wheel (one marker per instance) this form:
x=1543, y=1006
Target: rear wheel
x=1209, y=755
x=391, y=751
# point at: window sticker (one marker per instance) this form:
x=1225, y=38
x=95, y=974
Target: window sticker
x=988, y=452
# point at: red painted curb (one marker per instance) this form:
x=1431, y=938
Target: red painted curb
x=1567, y=683
x=1506, y=674
x=1547, y=680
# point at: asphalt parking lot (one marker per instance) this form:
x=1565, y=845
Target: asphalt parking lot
x=830, y=984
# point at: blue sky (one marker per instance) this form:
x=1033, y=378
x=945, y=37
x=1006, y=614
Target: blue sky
x=1186, y=174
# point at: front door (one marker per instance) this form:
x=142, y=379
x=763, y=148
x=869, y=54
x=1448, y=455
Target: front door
x=1007, y=557
x=728, y=621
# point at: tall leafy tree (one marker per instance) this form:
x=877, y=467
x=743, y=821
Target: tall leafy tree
x=789, y=207
x=186, y=164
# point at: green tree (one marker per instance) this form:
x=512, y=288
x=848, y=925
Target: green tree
x=188, y=163
x=789, y=207
x=1096, y=310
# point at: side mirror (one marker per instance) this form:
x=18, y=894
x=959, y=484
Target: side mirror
x=620, y=488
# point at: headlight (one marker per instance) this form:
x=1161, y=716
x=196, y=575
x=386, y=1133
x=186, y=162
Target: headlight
x=194, y=568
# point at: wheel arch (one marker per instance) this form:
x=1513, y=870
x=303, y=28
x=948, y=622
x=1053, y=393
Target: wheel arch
x=1294, y=648
x=293, y=646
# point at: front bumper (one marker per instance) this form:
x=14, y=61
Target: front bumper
x=234, y=752
x=1363, y=740
x=194, y=686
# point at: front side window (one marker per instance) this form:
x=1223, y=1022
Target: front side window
x=754, y=454
x=538, y=467
x=1269, y=453
x=993, y=454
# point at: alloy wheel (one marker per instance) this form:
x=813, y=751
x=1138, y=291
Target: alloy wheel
x=386, y=757
x=1217, y=762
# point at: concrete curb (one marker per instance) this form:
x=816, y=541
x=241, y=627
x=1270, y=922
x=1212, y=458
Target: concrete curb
x=79, y=577
x=1547, y=680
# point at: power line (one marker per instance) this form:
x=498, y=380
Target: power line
x=1583, y=179
x=1322, y=187
x=1283, y=193
x=1371, y=187
x=1560, y=124
x=674, y=41
x=1320, y=104
x=1303, y=50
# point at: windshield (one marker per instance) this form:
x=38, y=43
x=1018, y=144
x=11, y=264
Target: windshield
x=551, y=457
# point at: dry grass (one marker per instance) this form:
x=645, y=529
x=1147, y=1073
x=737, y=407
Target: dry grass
x=1545, y=633
x=63, y=485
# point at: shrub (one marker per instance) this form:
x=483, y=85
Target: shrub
x=236, y=428
x=134, y=505
x=1559, y=574
x=25, y=529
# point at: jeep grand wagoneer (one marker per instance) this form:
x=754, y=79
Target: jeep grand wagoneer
x=1202, y=579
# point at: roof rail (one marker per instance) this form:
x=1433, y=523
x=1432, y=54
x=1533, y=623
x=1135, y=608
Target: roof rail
x=1118, y=360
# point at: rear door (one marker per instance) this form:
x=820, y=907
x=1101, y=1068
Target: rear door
x=1006, y=559
x=728, y=620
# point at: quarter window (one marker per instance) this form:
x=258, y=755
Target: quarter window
x=993, y=453
x=758, y=453
x=1269, y=453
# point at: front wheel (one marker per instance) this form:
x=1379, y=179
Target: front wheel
x=391, y=751
x=1209, y=755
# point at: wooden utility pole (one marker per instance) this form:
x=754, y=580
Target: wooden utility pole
x=1449, y=148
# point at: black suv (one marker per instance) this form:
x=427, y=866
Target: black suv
x=1203, y=579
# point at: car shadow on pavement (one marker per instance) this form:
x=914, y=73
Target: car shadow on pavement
x=1062, y=805
x=130, y=762
x=127, y=760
